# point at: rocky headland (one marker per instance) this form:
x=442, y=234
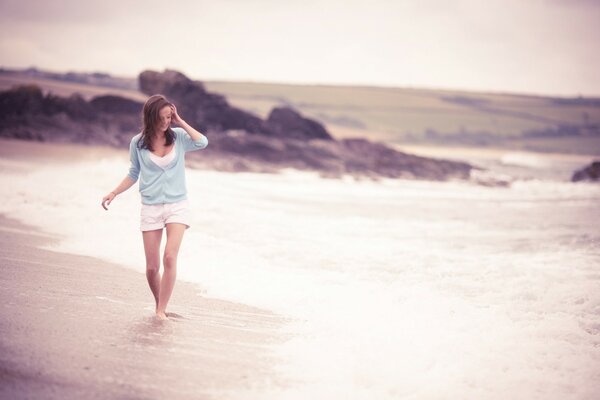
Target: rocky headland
x=239, y=140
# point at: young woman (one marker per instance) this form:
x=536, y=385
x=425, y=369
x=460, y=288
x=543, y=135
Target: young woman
x=157, y=158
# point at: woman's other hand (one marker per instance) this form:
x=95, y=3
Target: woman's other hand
x=107, y=199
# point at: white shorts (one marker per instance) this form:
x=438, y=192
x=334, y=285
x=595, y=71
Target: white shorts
x=156, y=216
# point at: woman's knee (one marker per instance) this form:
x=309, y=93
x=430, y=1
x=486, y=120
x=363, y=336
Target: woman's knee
x=152, y=267
x=170, y=259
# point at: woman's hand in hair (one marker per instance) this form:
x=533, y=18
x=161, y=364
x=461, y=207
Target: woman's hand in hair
x=175, y=118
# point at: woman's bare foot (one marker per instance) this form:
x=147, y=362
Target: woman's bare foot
x=161, y=315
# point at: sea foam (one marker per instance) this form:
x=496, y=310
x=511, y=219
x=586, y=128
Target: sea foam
x=394, y=288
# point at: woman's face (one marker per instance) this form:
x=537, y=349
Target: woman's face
x=164, y=118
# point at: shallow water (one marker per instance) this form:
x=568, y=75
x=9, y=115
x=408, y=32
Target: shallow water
x=396, y=288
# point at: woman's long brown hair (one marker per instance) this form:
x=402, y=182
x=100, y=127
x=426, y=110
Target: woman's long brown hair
x=151, y=118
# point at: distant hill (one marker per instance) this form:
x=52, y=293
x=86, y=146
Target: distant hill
x=392, y=115
x=86, y=85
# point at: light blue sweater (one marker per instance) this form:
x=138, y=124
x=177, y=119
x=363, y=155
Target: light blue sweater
x=160, y=185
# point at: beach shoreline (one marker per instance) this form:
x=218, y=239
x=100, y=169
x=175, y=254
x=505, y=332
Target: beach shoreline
x=78, y=327
x=376, y=289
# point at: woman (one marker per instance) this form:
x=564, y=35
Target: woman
x=157, y=158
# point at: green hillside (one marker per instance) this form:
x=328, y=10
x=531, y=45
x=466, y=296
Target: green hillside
x=398, y=115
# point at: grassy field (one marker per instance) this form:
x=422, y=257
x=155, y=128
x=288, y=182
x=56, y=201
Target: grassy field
x=402, y=115
x=397, y=114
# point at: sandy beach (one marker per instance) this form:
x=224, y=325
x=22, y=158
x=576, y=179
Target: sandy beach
x=75, y=327
x=292, y=286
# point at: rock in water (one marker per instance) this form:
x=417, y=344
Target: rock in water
x=589, y=173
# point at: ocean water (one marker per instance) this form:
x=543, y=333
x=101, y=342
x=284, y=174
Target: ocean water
x=395, y=288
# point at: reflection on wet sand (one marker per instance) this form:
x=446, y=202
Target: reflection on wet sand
x=150, y=331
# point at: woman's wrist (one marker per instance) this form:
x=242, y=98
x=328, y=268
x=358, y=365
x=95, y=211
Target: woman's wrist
x=114, y=194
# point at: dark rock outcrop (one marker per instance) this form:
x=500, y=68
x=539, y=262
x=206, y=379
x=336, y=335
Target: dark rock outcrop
x=286, y=122
x=29, y=100
x=284, y=140
x=384, y=161
x=240, y=151
x=116, y=104
x=169, y=83
x=26, y=113
x=211, y=111
x=590, y=173
x=207, y=111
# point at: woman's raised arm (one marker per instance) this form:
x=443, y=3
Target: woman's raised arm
x=194, y=134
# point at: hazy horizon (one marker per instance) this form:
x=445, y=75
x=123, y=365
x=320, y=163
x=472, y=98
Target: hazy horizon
x=325, y=84
x=540, y=47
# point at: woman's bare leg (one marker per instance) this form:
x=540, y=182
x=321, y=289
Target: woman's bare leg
x=174, y=236
x=152, y=241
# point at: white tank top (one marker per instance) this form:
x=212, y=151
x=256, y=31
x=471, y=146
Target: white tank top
x=164, y=161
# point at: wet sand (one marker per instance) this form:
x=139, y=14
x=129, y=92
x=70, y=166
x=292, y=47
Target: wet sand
x=45, y=152
x=78, y=327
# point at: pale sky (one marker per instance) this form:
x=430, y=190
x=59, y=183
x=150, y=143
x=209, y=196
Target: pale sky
x=526, y=46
